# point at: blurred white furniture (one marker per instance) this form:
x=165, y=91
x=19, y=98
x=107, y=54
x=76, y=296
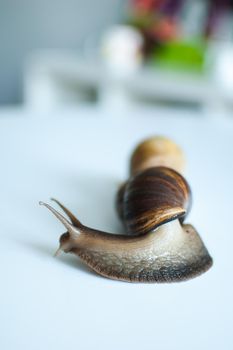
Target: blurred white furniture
x=54, y=78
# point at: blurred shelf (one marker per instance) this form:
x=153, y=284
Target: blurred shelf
x=53, y=78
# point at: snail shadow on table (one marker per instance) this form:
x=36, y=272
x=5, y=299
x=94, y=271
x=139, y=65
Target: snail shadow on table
x=45, y=251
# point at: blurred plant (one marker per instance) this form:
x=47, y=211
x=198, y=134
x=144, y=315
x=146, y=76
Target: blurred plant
x=157, y=19
x=161, y=22
x=180, y=55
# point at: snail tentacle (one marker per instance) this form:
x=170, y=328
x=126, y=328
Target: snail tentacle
x=70, y=215
x=60, y=217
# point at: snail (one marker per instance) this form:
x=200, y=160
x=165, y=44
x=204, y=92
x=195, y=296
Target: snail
x=157, y=246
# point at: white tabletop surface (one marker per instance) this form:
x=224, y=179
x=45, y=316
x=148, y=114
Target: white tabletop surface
x=80, y=156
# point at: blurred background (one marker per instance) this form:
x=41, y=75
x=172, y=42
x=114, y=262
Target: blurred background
x=117, y=52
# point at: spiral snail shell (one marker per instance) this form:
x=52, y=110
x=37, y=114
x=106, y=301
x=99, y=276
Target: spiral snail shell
x=151, y=198
x=152, y=204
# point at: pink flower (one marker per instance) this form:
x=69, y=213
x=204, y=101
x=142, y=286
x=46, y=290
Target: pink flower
x=165, y=29
x=146, y=5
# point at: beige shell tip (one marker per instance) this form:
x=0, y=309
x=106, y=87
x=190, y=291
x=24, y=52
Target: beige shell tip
x=157, y=151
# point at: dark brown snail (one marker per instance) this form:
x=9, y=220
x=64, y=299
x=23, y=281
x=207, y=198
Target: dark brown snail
x=152, y=204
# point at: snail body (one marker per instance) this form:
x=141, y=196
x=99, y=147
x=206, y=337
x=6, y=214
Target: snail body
x=145, y=258
x=157, y=246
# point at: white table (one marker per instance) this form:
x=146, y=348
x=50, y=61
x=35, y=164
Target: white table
x=80, y=156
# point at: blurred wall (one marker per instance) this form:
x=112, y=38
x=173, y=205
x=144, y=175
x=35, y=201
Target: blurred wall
x=26, y=25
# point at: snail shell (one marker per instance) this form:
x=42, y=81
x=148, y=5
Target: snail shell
x=151, y=198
